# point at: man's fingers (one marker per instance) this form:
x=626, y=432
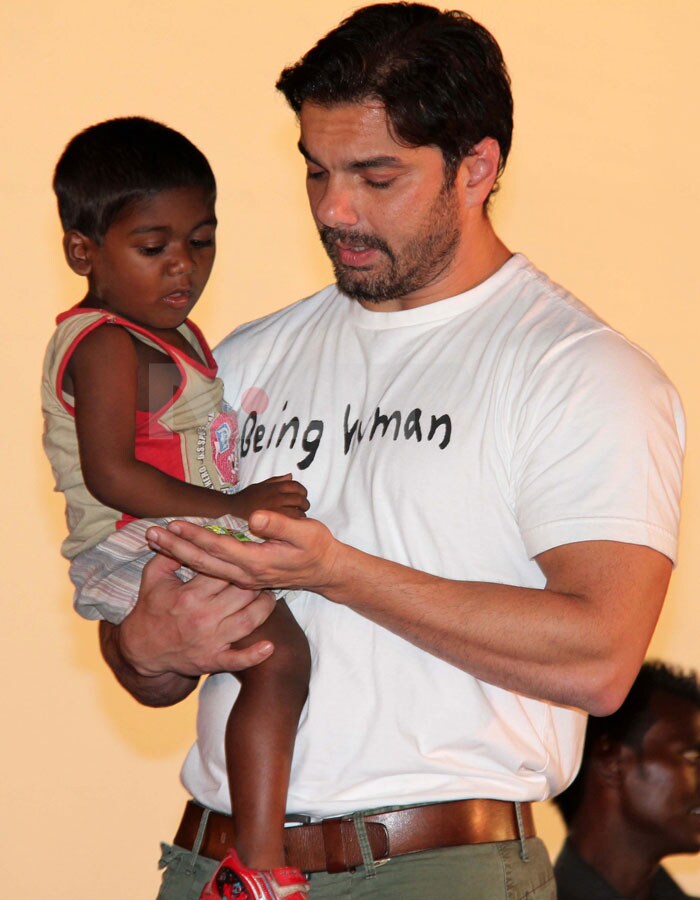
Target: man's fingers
x=237, y=660
x=211, y=590
x=242, y=622
x=198, y=548
x=160, y=567
x=293, y=551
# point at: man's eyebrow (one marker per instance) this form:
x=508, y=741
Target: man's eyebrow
x=378, y=162
x=305, y=153
x=372, y=162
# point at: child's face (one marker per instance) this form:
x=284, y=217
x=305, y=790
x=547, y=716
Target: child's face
x=156, y=259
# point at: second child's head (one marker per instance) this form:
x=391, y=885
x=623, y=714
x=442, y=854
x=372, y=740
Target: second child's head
x=137, y=205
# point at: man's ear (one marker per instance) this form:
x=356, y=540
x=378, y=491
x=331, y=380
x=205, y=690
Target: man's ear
x=479, y=171
x=78, y=249
x=609, y=760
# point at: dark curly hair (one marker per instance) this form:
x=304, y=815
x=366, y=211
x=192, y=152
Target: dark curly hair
x=439, y=75
x=631, y=721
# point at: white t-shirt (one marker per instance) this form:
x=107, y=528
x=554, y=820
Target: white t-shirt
x=461, y=438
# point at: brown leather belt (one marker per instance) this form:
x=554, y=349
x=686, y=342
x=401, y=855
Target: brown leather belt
x=332, y=845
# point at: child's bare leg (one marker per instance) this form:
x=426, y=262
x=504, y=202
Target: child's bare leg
x=260, y=736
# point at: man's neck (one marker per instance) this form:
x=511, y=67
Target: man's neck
x=616, y=856
x=479, y=255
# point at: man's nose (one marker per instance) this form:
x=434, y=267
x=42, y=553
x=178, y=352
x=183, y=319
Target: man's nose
x=336, y=206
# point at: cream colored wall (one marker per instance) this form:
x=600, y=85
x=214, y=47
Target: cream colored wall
x=602, y=191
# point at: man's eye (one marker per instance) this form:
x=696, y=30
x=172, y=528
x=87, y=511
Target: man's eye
x=314, y=176
x=151, y=251
x=380, y=185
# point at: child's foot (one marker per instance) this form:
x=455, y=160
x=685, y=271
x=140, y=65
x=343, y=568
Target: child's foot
x=233, y=881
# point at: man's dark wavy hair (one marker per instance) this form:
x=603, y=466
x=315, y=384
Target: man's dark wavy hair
x=109, y=166
x=630, y=723
x=440, y=76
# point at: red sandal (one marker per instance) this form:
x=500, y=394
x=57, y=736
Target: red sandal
x=233, y=881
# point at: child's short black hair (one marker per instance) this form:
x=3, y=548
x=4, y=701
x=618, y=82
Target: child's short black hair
x=109, y=166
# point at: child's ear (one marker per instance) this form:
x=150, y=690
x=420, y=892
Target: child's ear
x=78, y=250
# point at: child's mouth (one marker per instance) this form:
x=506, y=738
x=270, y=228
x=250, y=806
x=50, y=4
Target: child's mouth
x=178, y=299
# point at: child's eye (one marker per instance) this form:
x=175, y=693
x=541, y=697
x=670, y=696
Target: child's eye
x=199, y=243
x=151, y=251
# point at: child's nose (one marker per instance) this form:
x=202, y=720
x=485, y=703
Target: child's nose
x=181, y=261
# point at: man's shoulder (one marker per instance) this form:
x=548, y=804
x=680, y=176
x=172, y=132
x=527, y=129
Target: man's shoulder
x=665, y=888
x=289, y=318
x=552, y=330
x=546, y=310
x=576, y=880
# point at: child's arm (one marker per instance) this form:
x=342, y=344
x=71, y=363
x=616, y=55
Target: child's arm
x=104, y=372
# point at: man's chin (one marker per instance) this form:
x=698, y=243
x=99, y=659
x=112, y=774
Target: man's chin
x=687, y=840
x=358, y=288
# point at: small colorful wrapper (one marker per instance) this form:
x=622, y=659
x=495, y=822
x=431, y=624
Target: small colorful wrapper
x=240, y=534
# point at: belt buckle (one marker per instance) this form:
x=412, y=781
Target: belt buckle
x=294, y=819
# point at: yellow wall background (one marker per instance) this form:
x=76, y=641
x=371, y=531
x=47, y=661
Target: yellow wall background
x=601, y=191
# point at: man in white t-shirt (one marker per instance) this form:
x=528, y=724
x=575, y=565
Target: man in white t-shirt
x=494, y=476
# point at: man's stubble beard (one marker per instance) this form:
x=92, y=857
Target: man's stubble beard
x=421, y=260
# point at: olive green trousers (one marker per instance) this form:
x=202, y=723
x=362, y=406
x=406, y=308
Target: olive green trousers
x=498, y=871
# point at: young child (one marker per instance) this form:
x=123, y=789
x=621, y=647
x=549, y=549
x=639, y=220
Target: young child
x=136, y=429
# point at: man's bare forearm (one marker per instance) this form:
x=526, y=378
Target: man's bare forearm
x=150, y=690
x=578, y=642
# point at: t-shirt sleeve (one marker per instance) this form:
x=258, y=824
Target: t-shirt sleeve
x=598, y=448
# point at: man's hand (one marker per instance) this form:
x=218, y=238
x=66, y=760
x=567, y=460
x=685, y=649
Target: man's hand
x=188, y=628
x=280, y=493
x=296, y=553
x=577, y=642
x=178, y=631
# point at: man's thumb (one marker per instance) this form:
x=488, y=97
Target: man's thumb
x=269, y=525
x=159, y=567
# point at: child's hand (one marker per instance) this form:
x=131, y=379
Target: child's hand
x=279, y=493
